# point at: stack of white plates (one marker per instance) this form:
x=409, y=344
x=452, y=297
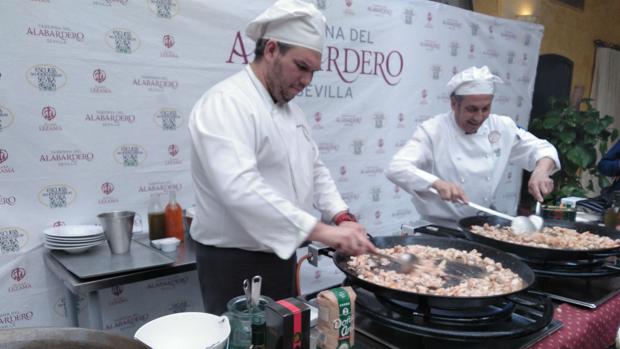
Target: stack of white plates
x=73, y=238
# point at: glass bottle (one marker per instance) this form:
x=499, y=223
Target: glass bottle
x=611, y=217
x=245, y=322
x=174, y=218
x=157, y=218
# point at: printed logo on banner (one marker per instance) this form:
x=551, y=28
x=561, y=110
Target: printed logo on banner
x=421, y=118
x=317, y=121
x=127, y=322
x=511, y=57
x=491, y=32
x=179, y=307
x=501, y=99
x=508, y=35
x=64, y=158
x=46, y=77
x=48, y=113
x=349, y=120
x=328, y=147
x=377, y=218
x=130, y=155
x=372, y=171
x=58, y=224
x=122, y=40
x=110, y=118
x=375, y=193
x=429, y=20
x=350, y=63
x=109, y=3
x=424, y=96
x=173, y=150
x=164, y=8
x=321, y=4
x=443, y=97
x=55, y=34
x=489, y=52
x=7, y=200
x=474, y=27
x=430, y=45
x=57, y=196
x=455, y=70
x=527, y=39
x=401, y=120
x=99, y=75
x=525, y=80
x=61, y=308
x=379, y=120
x=160, y=187
x=350, y=197
x=343, y=174
x=380, y=10
x=41, y=1
x=107, y=188
x=472, y=51
x=327, y=91
x=408, y=15
x=357, y=146
x=524, y=59
x=6, y=118
x=155, y=83
x=402, y=213
x=169, y=283
x=452, y=23
x=12, y=240
x=508, y=177
x=18, y=274
x=168, y=41
x=380, y=144
x=454, y=48
x=168, y=119
x=4, y=157
x=436, y=71
x=16, y=318
x=520, y=100
x=507, y=80
x=348, y=7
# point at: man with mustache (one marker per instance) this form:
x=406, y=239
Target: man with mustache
x=463, y=154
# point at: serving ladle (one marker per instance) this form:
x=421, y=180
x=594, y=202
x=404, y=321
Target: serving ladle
x=519, y=224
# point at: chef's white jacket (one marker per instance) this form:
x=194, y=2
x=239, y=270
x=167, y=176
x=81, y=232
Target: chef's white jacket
x=440, y=149
x=256, y=170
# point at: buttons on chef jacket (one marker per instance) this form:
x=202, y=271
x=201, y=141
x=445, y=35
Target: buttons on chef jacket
x=462, y=180
x=486, y=199
x=486, y=156
x=488, y=178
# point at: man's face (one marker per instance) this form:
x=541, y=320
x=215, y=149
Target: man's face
x=472, y=111
x=291, y=72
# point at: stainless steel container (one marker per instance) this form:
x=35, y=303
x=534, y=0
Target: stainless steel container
x=118, y=227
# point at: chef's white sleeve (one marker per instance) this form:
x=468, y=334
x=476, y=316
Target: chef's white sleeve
x=527, y=149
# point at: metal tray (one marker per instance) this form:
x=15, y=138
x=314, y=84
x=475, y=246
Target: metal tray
x=99, y=261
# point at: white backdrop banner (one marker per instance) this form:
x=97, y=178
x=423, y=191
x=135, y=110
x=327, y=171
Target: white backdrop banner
x=95, y=96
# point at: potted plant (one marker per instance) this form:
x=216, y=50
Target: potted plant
x=577, y=132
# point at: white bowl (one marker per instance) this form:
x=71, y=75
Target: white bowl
x=189, y=330
x=74, y=231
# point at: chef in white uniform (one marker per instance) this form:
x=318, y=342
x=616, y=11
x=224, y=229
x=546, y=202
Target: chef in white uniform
x=256, y=169
x=463, y=153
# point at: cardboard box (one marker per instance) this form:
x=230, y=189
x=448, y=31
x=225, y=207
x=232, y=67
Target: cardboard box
x=287, y=324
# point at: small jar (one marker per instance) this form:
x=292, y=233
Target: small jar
x=241, y=320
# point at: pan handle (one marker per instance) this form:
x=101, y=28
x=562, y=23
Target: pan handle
x=611, y=266
x=605, y=254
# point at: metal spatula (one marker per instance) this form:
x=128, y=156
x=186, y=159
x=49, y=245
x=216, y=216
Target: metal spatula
x=409, y=262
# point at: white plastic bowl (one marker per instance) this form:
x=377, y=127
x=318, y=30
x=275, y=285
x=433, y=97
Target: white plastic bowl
x=190, y=330
x=74, y=231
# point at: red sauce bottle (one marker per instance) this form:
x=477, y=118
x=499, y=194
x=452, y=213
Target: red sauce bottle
x=174, y=218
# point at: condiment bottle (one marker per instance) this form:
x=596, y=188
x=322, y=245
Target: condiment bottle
x=612, y=214
x=174, y=218
x=157, y=218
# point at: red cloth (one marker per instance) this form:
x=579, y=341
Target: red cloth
x=584, y=328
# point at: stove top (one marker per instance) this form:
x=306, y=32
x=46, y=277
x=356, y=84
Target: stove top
x=509, y=326
x=587, y=283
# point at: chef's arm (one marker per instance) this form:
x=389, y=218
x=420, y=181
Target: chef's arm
x=407, y=168
x=348, y=237
x=450, y=191
x=540, y=184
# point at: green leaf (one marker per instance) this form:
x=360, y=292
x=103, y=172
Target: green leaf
x=567, y=136
x=552, y=121
x=592, y=127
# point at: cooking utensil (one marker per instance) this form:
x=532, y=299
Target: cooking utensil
x=541, y=253
x=247, y=291
x=455, y=270
x=255, y=290
x=508, y=261
x=519, y=224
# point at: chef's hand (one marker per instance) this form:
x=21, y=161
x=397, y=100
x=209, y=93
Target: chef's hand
x=348, y=237
x=450, y=191
x=540, y=184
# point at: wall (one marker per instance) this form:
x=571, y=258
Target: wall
x=569, y=32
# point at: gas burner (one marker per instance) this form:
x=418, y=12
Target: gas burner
x=518, y=316
x=602, y=267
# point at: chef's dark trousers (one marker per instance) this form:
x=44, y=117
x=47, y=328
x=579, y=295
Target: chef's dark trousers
x=221, y=272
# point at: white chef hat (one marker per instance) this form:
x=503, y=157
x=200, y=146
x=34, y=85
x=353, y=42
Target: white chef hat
x=474, y=81
x=294, y=22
